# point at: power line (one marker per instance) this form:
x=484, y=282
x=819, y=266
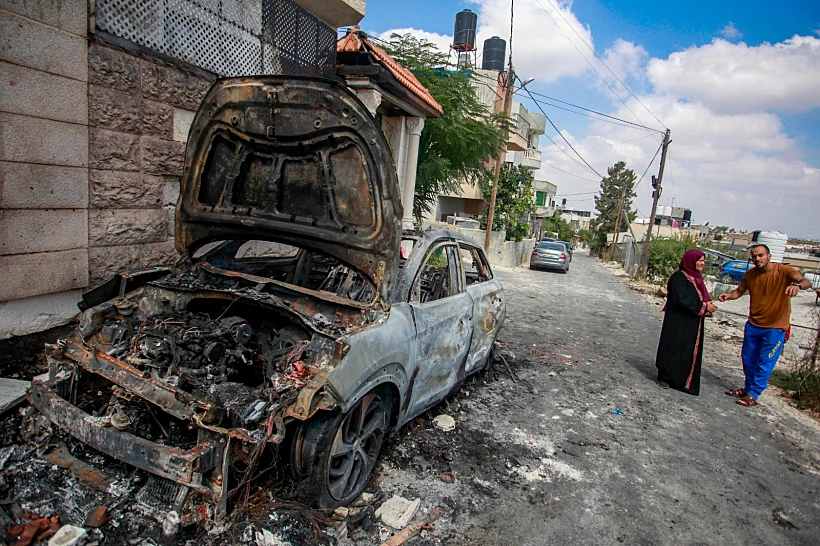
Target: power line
x=582, y=193
x=563, y=171
x=599, y=59
x=604, y=145
x=561, y=135
x=647, y=167
x=596, y=112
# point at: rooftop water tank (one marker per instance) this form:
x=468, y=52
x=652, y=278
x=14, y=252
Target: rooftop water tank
x=666, y=211
x=495, y=49
x=776, y=242
x=464, y=31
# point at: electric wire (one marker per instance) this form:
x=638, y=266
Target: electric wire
x=561, y=135
x=599, y=59
x=638, y=125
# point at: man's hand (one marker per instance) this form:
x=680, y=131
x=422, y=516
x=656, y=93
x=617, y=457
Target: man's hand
x=792, y=290
x=724, y=297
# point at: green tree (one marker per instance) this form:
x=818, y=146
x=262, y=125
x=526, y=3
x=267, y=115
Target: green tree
x=587, y=236
x=455, y=147
x=515, y=201
x=556, y=224
x=619, y=181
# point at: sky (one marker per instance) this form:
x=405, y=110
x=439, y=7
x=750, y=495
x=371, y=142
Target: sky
x=736, y=82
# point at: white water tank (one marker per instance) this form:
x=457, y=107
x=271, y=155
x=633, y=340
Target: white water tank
x=776, y=242
x=666, y=211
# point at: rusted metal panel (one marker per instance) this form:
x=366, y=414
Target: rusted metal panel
x=182, y=466
x=293, y=159
x=180, y=404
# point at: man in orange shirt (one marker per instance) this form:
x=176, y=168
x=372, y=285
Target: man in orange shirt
x=771, y=287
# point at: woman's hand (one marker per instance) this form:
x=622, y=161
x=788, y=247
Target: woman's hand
x=710, y=307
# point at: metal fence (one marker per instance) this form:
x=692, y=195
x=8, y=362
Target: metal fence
x=227, y=37
x=629, y=253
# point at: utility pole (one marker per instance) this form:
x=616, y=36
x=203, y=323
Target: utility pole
x=656, y=183
x=506, y=107
x=617, y=225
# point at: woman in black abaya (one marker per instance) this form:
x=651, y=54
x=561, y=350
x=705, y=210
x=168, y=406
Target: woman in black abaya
x=680, y=349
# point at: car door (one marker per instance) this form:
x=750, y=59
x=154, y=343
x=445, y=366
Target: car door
x=489, y=309
x=443, y=317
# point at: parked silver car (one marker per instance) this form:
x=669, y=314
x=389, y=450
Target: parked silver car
x=295, y=318
x=550, y=255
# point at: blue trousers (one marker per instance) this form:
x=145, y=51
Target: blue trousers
x=761, y=349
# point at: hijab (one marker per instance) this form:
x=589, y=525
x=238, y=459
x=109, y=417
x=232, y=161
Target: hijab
x=687, y=265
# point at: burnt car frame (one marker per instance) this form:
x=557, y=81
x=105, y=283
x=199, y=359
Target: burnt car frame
x=300, y=314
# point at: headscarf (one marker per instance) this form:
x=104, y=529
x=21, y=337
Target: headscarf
x=687, y=265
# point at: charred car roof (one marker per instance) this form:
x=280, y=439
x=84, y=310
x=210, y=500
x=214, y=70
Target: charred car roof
x=296, y=160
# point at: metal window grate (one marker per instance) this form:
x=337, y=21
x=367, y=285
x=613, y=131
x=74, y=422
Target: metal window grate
x=227, y=37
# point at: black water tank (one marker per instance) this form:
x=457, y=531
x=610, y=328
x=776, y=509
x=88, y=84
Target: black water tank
x=687, y=215
x=495, y=49
x=464, y=32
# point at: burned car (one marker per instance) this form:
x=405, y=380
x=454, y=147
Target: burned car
x=299, y=315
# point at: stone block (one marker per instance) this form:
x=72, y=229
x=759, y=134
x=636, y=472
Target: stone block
x=24, y=185
x=113, y=68
x=170, y=191
x=169, y=84
x=35, y=45
x=26, y=275
x=68, y=15
x=124, y=190
x=110, y=227
x=113, y=110
x=26, y=139
x=170, y=213
x=29, y=231
x=157, y=119
x=34, y=93
x=24, y=316
x=113, y=151
x=182, y=124
x=162, y=156
x=398, y=511
x=105, y=261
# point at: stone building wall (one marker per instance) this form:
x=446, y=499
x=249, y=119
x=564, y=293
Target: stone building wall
x=140, y=110
x=43, y=163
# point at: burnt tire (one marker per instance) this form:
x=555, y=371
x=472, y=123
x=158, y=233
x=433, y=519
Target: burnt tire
x=334, y=454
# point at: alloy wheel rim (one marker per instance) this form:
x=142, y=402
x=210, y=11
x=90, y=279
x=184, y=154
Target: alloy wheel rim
x=356, y=446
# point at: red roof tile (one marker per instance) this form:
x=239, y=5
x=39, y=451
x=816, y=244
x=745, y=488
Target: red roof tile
x=355, y=40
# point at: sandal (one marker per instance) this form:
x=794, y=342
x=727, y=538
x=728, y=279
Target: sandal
x=746, y=401
x=737, y=392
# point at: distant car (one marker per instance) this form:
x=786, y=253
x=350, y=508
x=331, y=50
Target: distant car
x=466, y=223
x=550, y=255
x=732, y=271
x=569, y=249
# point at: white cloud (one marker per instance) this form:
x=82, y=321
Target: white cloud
x=738, y=78
x=731, y=32
x=442, y=41
x=544, y=40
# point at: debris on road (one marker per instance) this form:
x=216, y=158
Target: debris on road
x=68, y=535
x=398, y=511
x=444, y=422
x=412, y=530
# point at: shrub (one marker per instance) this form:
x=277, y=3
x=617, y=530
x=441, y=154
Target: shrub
x=665, y=255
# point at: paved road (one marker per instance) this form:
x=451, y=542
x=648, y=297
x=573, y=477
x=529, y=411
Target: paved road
x=543, y=460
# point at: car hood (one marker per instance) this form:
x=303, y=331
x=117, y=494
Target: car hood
x=296, y=160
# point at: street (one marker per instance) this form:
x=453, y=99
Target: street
x=548, y=458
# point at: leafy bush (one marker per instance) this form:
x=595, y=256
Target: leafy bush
x=665, y=255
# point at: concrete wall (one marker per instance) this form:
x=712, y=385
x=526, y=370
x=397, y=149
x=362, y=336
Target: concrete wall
x=502, y=253
x=44, y=157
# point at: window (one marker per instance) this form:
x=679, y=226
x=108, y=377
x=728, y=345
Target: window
x=474, y=265
x=540, y=198
x=437, y=277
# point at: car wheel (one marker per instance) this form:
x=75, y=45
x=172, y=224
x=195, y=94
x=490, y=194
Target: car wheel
x=727, y=279
x=335, y=453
